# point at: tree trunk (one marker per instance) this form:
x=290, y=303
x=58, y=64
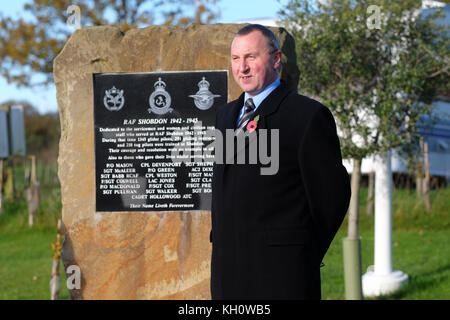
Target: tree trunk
x=353, y=217
x=352, y=244
x=370, y=194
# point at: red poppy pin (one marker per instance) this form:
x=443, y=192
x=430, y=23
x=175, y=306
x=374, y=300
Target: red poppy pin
x=252, y=125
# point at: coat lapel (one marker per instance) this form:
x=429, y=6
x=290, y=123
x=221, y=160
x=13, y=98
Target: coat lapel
x=269, y=106
x=266, y=108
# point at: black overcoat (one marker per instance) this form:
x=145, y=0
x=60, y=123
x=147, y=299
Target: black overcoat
x=271, y=232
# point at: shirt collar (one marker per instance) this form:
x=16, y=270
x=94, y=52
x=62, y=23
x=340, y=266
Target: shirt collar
x=259, y=98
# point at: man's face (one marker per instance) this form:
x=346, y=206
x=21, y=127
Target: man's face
x=253, y=62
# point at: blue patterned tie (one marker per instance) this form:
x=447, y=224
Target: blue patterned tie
x=249, y=109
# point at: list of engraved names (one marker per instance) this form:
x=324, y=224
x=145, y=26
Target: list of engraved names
x=157, y=159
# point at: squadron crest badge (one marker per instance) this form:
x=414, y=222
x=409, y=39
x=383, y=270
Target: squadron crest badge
x=114, y=99
x=204, y=98
x=160, y=99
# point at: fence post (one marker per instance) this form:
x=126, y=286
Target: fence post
x=55, y=284
x=426, y=181
x=32, y=192
x=419, y=171
x=1, y=186
x=9, y=188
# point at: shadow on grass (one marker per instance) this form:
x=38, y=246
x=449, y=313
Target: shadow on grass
x=418, y=283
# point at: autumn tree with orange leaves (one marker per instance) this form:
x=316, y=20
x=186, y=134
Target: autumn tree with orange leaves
x=29, y=44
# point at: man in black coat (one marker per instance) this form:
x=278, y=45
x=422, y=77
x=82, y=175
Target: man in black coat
x=271, y=229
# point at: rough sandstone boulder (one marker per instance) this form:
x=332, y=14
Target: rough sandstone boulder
x=129, y=255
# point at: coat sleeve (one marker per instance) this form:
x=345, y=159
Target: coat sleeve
x=326, y=180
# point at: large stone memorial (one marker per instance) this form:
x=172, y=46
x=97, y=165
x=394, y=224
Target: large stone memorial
x=147, y=246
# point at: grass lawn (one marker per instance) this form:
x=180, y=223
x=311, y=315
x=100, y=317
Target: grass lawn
x=26, y=265
x=420, y=248
x=26, y=255
x=423, y=255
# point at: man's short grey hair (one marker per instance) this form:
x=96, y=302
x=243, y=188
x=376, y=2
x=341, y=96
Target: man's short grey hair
x=271, y=38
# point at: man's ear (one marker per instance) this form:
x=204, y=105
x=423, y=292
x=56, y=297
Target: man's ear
x=277, y=59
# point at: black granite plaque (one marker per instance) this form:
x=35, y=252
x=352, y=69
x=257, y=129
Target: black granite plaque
x=153, y=139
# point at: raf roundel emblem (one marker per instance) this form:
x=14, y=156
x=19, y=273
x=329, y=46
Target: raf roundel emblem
x=160, y=99
x=204, y=98
x=113, y=99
